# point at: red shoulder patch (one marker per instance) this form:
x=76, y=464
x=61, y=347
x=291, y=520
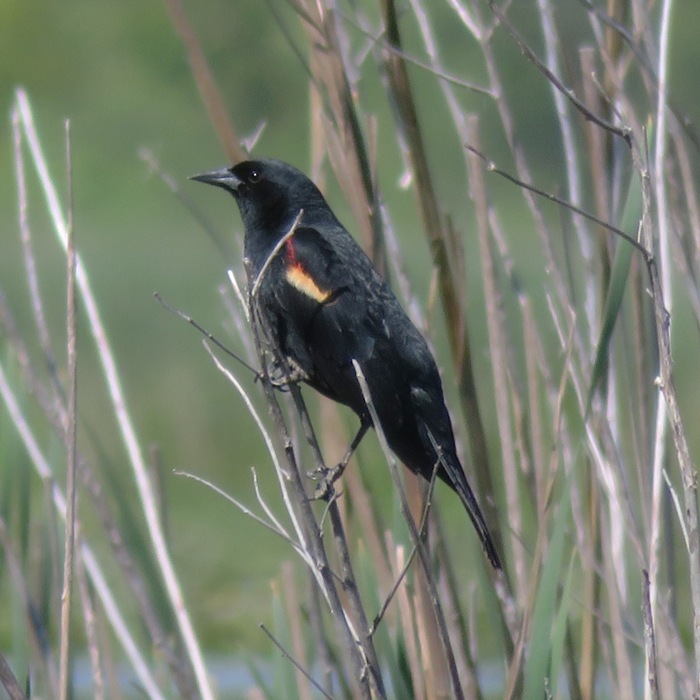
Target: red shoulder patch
x=297, y=276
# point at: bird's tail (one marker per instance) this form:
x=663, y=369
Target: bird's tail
x=459, y=483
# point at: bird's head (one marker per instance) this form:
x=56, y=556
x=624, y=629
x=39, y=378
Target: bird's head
x=269, y=193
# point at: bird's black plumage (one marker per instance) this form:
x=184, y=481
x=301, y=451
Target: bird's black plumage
x=325, y=305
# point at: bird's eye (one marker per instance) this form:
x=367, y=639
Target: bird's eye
x=254, y=176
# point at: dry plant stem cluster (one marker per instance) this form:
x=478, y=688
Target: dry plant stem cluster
x=25, y=130
x=593, y=502
x=416, y=539
x=351, y=623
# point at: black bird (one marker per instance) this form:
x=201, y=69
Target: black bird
x=325, y=305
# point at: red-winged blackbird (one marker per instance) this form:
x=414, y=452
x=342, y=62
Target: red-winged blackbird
x=325, y=305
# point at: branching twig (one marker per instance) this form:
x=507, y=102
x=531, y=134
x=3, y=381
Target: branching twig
x=272, y=526
x=567, y=92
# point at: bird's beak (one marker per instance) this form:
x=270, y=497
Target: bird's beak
x=220, y=178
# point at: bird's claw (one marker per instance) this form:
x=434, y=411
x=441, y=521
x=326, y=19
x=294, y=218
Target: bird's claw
x=282, y=377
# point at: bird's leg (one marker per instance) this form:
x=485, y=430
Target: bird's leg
x=324, y=490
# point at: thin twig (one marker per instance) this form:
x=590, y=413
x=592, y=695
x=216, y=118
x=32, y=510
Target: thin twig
x=263, y=503
x=272, y=527
x=278, y=246
x=70, y=439
x=296, y=665
x=283, y=475
x=239, y=294
x=493, y=168
x=188, y=319
x=9, y=682
x=30, y=265
x=651, y=688
x=431, y=68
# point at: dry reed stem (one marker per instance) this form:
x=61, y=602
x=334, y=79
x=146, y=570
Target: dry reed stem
x=345, y=144
x=9, y=682
x=70, y=438
x=97, y=577
x=91, y=633
x=128, y=433
x=208, y=90
x=358, y=675
x=292, y=604
x=416, y=540
x=55, y=412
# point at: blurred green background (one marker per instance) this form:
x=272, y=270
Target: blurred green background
x=120, y=73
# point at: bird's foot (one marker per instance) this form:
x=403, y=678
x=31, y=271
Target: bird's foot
x=327, y=477
x=283, y=377
x=325, y=488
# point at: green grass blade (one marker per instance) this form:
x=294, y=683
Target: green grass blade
x=538, y=663
x=616, y=289
x=560, y=626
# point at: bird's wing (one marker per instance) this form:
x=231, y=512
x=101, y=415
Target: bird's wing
x=332, y=302
x=426, y=396
x=323, y=311
x=313, y=267
x=434, y=424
